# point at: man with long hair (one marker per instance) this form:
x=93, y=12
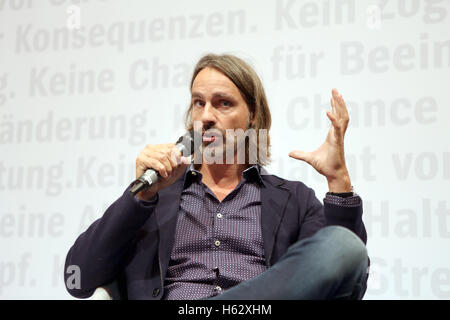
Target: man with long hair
x=219, y=225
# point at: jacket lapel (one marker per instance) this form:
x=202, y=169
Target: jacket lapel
x=274, y=199
x=166, y=218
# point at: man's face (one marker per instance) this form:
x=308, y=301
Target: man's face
x=217, y=104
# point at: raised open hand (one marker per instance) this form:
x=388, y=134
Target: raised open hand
x=329, y=158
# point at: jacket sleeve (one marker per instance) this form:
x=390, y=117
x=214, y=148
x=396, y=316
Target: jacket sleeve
x=99, y=252
x=346, y=213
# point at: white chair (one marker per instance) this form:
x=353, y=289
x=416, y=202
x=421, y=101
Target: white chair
x=108, y=291
x=101, y=294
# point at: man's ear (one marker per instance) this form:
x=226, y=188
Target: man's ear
x=251, y=123
x=252, y=119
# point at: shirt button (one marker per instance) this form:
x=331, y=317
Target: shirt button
x=218, y=288
x=217, y=243
x=219, y=215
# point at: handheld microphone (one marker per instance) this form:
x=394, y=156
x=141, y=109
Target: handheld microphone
x=186, y=146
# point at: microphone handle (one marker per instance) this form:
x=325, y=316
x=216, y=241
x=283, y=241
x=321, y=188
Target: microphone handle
x=144, y=182
x=149, y=177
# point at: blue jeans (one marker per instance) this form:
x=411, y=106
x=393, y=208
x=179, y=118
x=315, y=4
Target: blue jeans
x=332, y=264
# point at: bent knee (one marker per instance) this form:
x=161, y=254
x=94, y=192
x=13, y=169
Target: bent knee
x=349, y=252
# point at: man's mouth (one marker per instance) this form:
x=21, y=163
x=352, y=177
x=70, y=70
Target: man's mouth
x=210, y=135
x=208, y=138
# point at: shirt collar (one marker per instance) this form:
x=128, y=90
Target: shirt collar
x=250, y=174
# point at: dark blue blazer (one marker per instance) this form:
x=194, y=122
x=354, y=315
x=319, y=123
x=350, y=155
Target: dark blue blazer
x=132, y=243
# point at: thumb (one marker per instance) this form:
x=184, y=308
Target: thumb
x=300, y=155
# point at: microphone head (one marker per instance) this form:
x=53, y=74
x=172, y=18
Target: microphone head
x=186, y=143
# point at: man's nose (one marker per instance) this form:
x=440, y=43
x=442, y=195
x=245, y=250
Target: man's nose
x=208, y=115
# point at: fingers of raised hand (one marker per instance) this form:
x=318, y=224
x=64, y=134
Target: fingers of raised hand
x=338, y=104
x=339, y=114
x=332, y=117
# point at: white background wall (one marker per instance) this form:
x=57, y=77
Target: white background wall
x=67, y=147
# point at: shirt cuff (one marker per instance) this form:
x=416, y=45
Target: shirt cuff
x=352, y=201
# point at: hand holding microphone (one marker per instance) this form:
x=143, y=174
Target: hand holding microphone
x=159, y=166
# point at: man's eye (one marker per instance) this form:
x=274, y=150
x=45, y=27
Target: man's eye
x=225, y=103
x=199, y=103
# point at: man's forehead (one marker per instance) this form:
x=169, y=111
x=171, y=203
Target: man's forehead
x=212, y=77
x=212, y=83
